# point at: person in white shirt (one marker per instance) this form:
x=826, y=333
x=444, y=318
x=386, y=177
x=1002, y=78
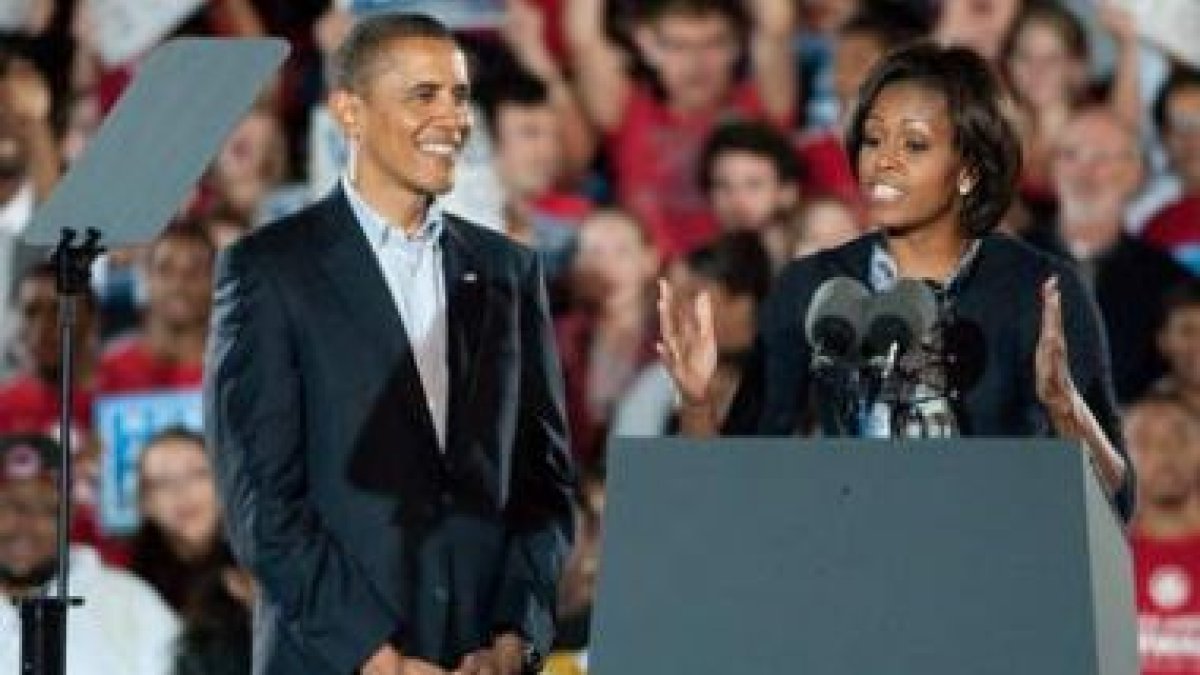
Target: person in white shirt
x=122, y=627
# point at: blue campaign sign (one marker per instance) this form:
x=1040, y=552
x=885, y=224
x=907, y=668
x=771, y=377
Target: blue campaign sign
x=459, y=14
x=124, y=424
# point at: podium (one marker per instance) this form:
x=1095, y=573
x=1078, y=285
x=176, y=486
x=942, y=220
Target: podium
x=858, y=557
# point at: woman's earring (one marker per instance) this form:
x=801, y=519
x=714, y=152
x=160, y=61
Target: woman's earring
x=964, y=187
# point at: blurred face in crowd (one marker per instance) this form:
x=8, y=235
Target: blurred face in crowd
x=178, y=493
x=1041, y=66
x=825, y=224
x=528, y=148
x=410, y=119
x=694, y=56
x=1179, y=343
x=251, y=161
x=978, y=24
x=1165, y=446
x=746, y=191
x=613, y=261
x=853, y=57
x=1182, y=135
x=908, y=166
x=14, y=146
x=179, y=282
x=37, y=307
x=27, y=532
x=37, y=326
x=1096, y=169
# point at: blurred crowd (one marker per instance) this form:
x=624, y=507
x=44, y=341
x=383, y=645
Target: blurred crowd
x=624, y=140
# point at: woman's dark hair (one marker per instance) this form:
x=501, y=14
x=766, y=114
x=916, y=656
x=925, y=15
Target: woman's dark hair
x=738, y=261
x=983, y=135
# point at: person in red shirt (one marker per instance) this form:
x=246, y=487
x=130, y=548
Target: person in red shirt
x=1176, y=228
x=29, y=397
x=1164, y=441
x=168, y=351
x=530, y=158
x=656, y=126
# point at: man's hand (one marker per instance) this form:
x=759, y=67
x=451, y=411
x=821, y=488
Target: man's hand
x=389, y=661
x=504, y=658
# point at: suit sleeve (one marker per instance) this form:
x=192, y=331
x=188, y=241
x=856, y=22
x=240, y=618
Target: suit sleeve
x=254, y=418
x=1091, y=368
x=539, y=512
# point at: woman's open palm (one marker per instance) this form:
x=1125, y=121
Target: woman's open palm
x=687, y=344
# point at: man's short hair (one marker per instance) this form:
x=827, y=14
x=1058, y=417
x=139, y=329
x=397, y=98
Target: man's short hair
x=518, y=87
x=751, y=138
x=47, y=271
x=185, y=229
x=1181, y=78
x=356, y=55
x=1183, y=296
x=891, y=25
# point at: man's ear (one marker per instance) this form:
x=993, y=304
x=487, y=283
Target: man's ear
x=345, y=107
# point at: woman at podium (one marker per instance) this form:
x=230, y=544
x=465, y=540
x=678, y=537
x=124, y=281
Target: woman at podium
x=1015, y=346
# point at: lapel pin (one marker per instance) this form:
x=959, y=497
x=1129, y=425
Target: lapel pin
x=470, y=277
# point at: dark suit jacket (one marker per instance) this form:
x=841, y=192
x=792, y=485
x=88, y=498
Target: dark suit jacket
x=336, y=495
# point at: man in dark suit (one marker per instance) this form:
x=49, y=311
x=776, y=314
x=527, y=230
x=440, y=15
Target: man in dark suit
x=384, y=400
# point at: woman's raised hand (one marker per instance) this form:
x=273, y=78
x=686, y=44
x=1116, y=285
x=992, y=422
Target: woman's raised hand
x=687, y=344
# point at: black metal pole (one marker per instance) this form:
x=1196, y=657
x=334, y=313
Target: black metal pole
x=44, y=618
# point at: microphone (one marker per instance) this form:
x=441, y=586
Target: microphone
x=835, y=319
x=897, y=320
x=833, y=326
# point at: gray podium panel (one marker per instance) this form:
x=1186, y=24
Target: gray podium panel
x=857, y=557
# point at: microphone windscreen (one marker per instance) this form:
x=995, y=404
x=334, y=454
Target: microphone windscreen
x=834, y=321
x=901, y=316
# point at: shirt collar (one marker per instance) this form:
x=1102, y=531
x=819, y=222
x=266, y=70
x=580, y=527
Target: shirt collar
x=883, y=272
x=380, y=232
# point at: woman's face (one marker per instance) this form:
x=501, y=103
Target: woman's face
x=1044, y=72
x=613, y=255
x=908, y=166
x=178, y=492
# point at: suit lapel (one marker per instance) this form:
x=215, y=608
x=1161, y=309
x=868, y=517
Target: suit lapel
x=346, y=259
x=466, y=301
